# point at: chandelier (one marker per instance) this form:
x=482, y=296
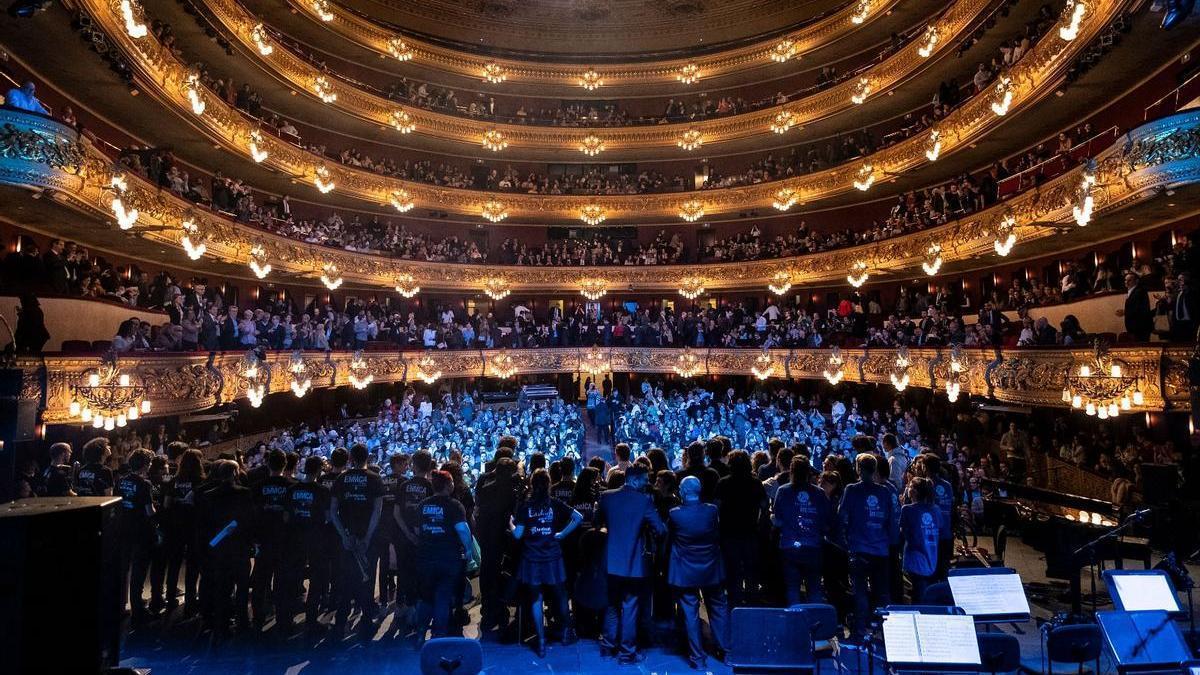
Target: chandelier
x=691, y=210
x=690, y=139
x=258, y=35
x=933, y=146
x=321, y=7
x=928, y=41
x=1084, y=203
x=780, y=283
x=258, y=261
x=494, y=211
x=136, y=29
x=865, y=177
x=402, y=201
x=301, y=378
x=494, y=140
x=324, y=89
x=858, y=274
x=595, y=363
x=407, y=286
x=427, y=369
x=496, y=288
x=591, y=80
x=402, y=121
x=194, y=240
x=786, y=198
x=783, y=120
x=958, y=366
x=691, y=287
x=331, y=277
x=110, y=398
x=862, y=89
x=833, y=366
x=126, y=217
x=192, y=88
x=592, y=214
x=503, y=365
x=689, y=74
x=764, y=366
x=360, y=375
x=900, y=382
x=494, y=73
x=322, y=180
x=783, y=51
x=1006, y=235
x=591, y=145
x=399, y=49
x=1072, y=15
x=1100, y=386
x=861, y=11
x=1002, y=96
x=933, y=259
x=257, y=152
x=686, y=364
x=254, y=373
x=593, y=289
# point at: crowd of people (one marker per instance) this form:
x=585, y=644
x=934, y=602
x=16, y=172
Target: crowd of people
x=594, y=249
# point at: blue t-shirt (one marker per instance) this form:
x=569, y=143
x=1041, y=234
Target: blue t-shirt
x=804, y=516
x=895, y=540
x=866, y=517
x=920, y=527
x=943, y=496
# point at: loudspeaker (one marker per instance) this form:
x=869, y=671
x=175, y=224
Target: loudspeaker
x=60, y=600
x=770, y=639
x=1160, y=482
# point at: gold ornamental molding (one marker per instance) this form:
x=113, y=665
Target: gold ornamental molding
x=165, y=77
x=41, y=153
x=186, y=383
x=359, y=102
x=783, y=48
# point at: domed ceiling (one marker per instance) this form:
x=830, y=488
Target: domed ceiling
x=592, y=29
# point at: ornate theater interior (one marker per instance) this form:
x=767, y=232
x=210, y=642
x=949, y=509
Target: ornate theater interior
x=589, y=336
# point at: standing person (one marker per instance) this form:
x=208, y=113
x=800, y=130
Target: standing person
x=625, y=512
x=308, y=544
x=56, y=479
x=270, y=496
x=1139, y=316
x=355, y=508
x=804, y=516
x=135, y=527
x=94, y=478
x=180, y=529
x=443, y=547
x=407, y=515
x=696, y=571
x=496, y=496
x=945, y=499
x=866, y=523
x=742, y=502
x=920, y=526
x=225, y=512
x=540, y=524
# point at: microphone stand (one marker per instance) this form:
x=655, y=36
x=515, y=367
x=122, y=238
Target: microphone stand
x=1090, y=549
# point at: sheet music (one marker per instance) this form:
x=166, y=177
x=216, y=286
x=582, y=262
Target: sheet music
x=989, y=594
x=1145, y=591
x=900, y=638
x=930, y=638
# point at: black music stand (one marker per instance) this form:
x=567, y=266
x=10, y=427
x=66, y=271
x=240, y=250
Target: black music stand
x=990, y=594
x=1139, y=590
x=1090, y=549
x=915, y=642
x=1144, y=641
x=770, y=639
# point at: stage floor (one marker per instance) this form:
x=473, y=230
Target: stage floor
x=176, y=648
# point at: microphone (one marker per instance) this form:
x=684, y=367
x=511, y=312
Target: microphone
x=1141, y=514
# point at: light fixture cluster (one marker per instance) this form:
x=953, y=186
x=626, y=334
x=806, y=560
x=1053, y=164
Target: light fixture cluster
x=258, y=152
x=785, y=198
x=494, y=211
x=253, y=372
x=496, y=288
x=1101, y=388
x=865, y=177
x=781, y=282
x=1006, y=235
x=899, y=376
x=427, y=369
x=322, y=179
x=503, y=365
x=258, y=35
x=929, y=41
x=321, y=7
x=324, y=89
x=108, y=398
x=861, y=11
x=331, y=277
x=494, y=140
x=494, y=73
x=359, y=374
x=933, y=260
x=401, y=201
x=833, y=366
x=591, y=80
x=783, y=51
x=690, y=139
x=783, y=120
x=687, y=364
x=691, y=210
x=591, y=145
x=593, y=289
x=1002, y=96
x=764, y=366
x=194, y=241
x=592, y=214
x=399, y=49
x=858, y=274
x=861, y=90
x=691, y=287
x=1072, y=16
x=194, y=92
x=958, y=366
x=406, y=285
x=689, y=74
x=134, y=28
x=301, y=378
x=1081, y=210
x=403, y=121
x=595, y=363
x=126, y=217
x=258, y=261
x=933, y=145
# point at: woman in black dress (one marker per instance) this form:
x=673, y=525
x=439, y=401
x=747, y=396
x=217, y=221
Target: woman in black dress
x=540, y=524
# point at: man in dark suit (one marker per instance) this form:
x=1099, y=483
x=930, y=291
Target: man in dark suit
x=1139, y=318
x=229, y=330
x=625, y=513
x=210, y=330
x=696, y=569
x=695, y=466
x=56, y=268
